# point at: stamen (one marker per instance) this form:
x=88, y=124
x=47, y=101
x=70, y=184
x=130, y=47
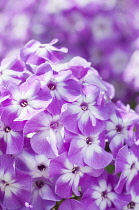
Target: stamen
x=84, y=106
x=54, y=125
x=7, y=129
x=39, y=184
x=119, y=128
x=51, y=86
x=89, y=140
x=23, y=103
x=104, y=195
x=131, y=205
x=41, y=167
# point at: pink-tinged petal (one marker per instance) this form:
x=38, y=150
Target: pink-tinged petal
x=36, y=123
x=100, y=112
x=85, y=124
x=110, y=126
x=15, y=91
x=76, y=152
x=57, y=165
x=63, y=186
x=55, y=106
x=70, y=118
x=40, y=144
x=70, y=90
x=30, y=89
x=96, y=157
x=71, y=204
x=15, y=143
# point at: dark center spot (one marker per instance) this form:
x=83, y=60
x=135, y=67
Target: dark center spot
x=75, y=170
x=23, y=103
x=132, y=166
x=131, y=205
x=41, y=167
x=54, y=125
x=7, y=129
x=51, y=86
x=104, y=195
x=119, y=128
x=5, y=183
x=88, y=140
x=39, y=184
x=84, y=106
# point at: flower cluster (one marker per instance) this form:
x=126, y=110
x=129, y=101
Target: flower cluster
x=102, y=31
x=61, y=135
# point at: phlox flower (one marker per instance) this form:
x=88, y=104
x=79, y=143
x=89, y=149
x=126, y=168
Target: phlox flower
x=15, y=185
x=27, y=99
x=69, y=175
x=36, y=53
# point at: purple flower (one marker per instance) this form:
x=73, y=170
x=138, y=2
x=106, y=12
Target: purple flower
x=127, y=163
x=15, y=185
x=120, y=128
x=11, y=134
x=62, y=85
x=43, y=194
x=90, y=150
x=48, y=136
x=85, y=114
x=33, y=164
x=36, y=53
x=27, y=99
x=101, y=192
x=68, y=175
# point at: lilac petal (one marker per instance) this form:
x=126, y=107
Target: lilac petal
x=30, y=89
x=100, y=112
x=41, y=100
x=70, y=91
x=76, y=152
x=15, y=91
x=116, y=143
x=69, y=119
x=7, y=164
x=15, y=143
x=63, y=186
x=85, y=124
x=120, y=185
x=96, y=157
x=55, y=106
x=38, y=203
x=48, y=193
x=57, y=165
x=76, y=184
x=71, y=204
x=40, y=144
x=121, y=159
x=36, y=123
